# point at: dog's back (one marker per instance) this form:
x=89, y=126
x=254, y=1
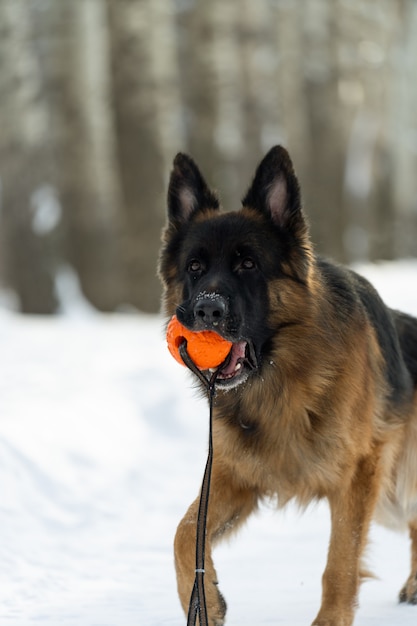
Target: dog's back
x=396, y=332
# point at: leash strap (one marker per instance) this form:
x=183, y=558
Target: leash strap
x=197, y=605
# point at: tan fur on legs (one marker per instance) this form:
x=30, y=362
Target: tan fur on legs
x=351, y=513
x=229, y=507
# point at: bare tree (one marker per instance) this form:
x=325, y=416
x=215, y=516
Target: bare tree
x=402, y=129
x=367, y=35
x=25, y=164
x=141, y=101
x=76, y=70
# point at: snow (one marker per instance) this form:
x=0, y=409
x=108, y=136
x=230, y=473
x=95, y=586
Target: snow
x=102, y=448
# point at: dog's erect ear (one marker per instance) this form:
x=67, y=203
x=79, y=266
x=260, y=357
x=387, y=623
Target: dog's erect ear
x=188, y=191
x=275, y=190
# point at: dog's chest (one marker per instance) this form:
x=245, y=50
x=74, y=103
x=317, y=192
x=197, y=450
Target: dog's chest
x=275, y=460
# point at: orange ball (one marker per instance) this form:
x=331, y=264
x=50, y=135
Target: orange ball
x=206, y=348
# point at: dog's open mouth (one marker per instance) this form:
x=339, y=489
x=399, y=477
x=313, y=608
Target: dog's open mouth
x=237, y=366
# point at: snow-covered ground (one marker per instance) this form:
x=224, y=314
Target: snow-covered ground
x=102, y=447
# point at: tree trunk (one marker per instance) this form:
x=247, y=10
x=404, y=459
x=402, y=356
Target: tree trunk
x=137, y=67
x=324, y=179
x=26, y=253
x=77, y=72
x=402, y=131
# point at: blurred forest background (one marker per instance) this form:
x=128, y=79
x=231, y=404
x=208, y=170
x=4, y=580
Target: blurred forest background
x=97, y=96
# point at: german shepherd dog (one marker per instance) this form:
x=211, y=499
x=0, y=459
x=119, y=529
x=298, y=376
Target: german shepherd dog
x=318, y=396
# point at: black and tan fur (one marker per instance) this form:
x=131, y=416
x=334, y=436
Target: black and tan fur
x=317, y=398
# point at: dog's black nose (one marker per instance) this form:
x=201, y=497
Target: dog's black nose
x=209, y=310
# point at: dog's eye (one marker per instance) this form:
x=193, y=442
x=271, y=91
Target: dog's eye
x=247, y=264
x=194, y=266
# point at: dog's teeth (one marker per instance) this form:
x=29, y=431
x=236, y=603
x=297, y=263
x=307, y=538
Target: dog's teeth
x=238, y=366
x=212, y=370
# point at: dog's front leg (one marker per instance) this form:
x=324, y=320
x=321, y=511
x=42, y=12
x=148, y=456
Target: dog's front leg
x=229, y=506
x=351, y=512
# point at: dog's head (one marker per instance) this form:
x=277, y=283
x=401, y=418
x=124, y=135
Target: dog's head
x=227, y=271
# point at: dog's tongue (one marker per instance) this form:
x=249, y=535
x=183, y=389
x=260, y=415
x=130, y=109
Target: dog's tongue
x=237, y=353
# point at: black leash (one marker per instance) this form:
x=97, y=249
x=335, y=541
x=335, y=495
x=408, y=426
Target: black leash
x=197, y=604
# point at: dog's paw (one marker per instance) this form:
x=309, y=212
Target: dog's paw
x=409, y=592
x=217, y=610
